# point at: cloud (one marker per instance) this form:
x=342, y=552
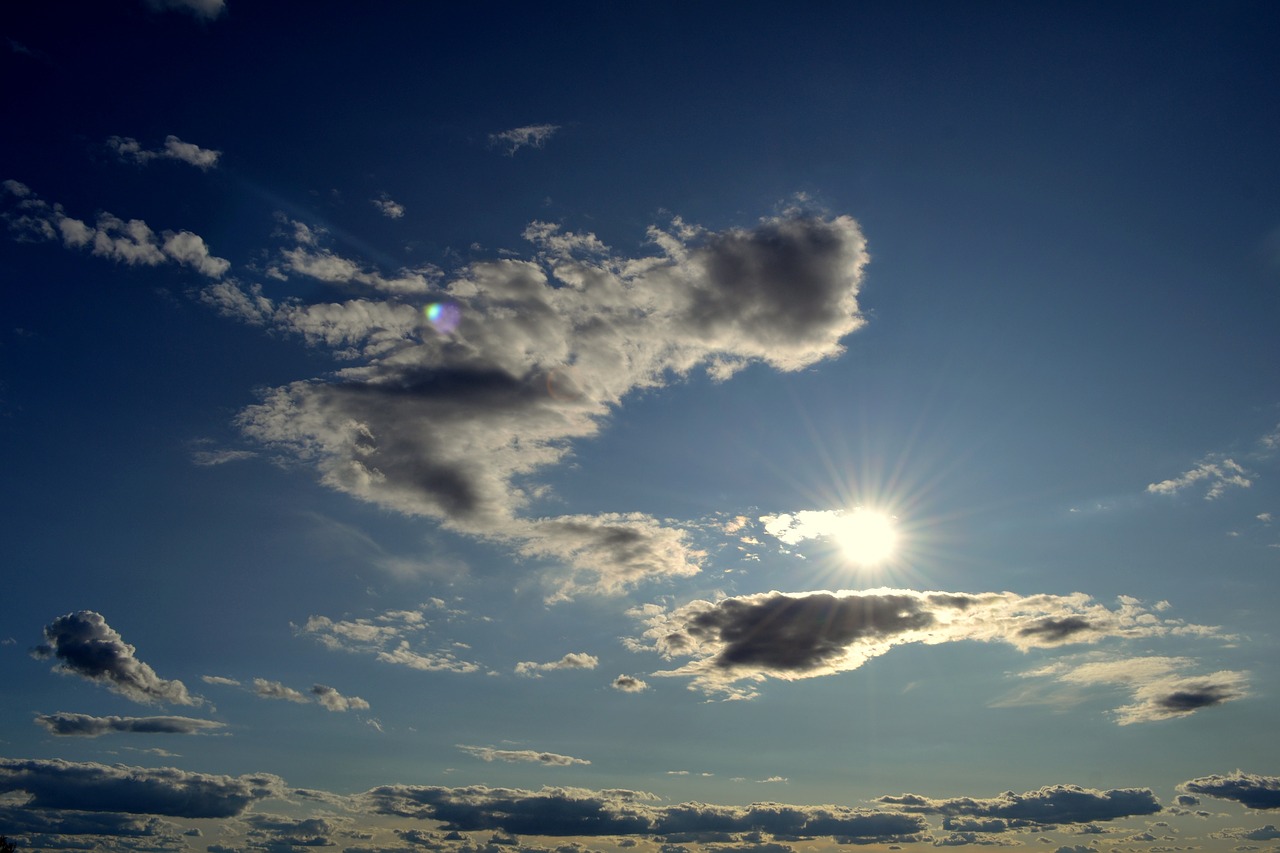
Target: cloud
x=218, y=679
x=210, y=458
x=387, y=207
x=528, y=136
x=802, y=635
x=1249, y=789
x=63, y=822
x=64, y=724
x=207, y=9
x=587, y=813
x=550, y=759
x=128, y=148
x=85, y=645
x=1219, y=473
x=332, y=700
x=1050, y=805
x=386, y=637
x=133, y=242
x=85, y=786
x=456, y=425
x=1159, y=686
x=573, y=660
x=276, y=690
x=629, y=684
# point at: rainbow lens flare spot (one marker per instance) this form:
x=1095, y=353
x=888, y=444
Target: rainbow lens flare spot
x=444, y=317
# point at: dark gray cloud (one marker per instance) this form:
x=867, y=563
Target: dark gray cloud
x=86, y=786
x=1050, y=805
x=1248, y=789
x=579, y=812
x=68, y=822
x=806, y=634
x=85, y=645
x=64, y=724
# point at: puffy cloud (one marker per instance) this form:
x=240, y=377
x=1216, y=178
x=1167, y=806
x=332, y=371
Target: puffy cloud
x=1219, y=473
x=132, y=242
x=581, y=812
x=573, y=660
x=551, y=759
x=1159, y=686
x=332, y=700
x=386, y=638
x=530, y=135
x=629, y=684
x=1050, y=805
x=64, y=724
x=802, y=635
x=218, y=679
x=387, y=207
x=1262, y=833
x=85, y=645
x=128, y=148
x=207, y=9
x=454, y=424
x=86, y=786
x=1248, y=789
x=276, y=690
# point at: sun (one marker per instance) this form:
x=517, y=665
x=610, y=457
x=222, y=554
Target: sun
x=866, y=537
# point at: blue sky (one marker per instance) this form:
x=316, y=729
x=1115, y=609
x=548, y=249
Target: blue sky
x=835, y=425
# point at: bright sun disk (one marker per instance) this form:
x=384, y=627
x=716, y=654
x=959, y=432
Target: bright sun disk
x=866, y=537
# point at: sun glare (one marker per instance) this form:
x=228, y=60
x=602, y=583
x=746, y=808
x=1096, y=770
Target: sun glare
x=867, y=537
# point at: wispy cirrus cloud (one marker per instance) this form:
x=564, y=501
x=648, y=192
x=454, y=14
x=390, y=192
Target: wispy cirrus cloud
x=790, y=636
x=527, y=136
x=1218, y=473
x=549, y=759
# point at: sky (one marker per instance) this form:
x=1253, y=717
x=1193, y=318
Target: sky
x=688, y=428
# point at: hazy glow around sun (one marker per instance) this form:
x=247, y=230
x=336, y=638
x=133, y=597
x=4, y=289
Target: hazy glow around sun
x=865, y=536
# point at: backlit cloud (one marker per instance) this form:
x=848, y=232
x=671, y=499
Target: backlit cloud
x=629, y=684
x=1249, y=789
x=1217, y=473
x=85, y=645
x=801, y=635
x=64, y=724
x=573, y=660
x=551, y=759
x=391, y=637
x=1050, y=805
x=275, y=690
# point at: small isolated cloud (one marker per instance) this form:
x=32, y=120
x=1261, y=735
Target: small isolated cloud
x=388, y=638
x=550, y=759
x=529, y=136
x=332, y=700
x=218, y=679
x=206, y=9
x=573, y=660
x=275, y=690
x=210, y=458
x=1050, y=805
x=1160, y=687
x=90, y=787
x=387, y=207
x=85, y=645
x=629, y=684
x=1218, y=473
x=1249, y=789
x=790, y=636
x=129, y=149
x=63, y=724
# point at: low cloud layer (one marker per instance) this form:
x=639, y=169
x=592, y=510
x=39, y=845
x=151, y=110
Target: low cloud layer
x=802, y=635
x=63, y=724
x=550, y=759
x=1055, y=804
x=85, y=786
x=1249, y=789
x=85, y=645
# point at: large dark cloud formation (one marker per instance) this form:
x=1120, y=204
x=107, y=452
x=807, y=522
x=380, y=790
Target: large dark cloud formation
x=1248, y=789
x=85, y=786
x=1050, y=805
x=64, y=724
x=85, y=645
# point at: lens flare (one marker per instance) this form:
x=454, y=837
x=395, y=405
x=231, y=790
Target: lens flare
x=444, y=317
x=866, y=537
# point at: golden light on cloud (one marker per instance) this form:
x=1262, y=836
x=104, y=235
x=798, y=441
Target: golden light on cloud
x=866, y=537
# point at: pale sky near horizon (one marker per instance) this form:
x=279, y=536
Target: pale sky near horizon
x=702, y=429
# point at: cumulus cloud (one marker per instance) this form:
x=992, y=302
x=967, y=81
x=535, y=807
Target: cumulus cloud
x=1050, y=805
x=90, y=787
x=1217, y=472
x=207, y=9
x=48, y=822
x=133, y=242
x=528, y=136
x=388, y=637
x=586, y=813
x=1160, y=687
x=1249, y=789
x=455, y=423
x=802, y=635
x=332, y=700
x=387, y=207
x=128, y=148
x=275, y=690
x=573, y=660
x=629, y=684
x=550, y=759
x=85, y=645
x=64, y=724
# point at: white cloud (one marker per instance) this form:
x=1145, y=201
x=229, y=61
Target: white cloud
x=791, y=636
x=549, y=759
x=1219, y=473
x=275, y=690
x=528, y=136
x=128, y=148
x=629, y=684
x=386, y=638
x=387, y=207
x=332, y=700
x=573, y=660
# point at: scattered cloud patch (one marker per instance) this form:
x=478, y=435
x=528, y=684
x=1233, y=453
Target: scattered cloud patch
x=550, y=759
x=332, y=700
x=85, y=645
x=387, y=638
x=1249, y=789
x=210, y=458
x=130, y=150
x=387, y=207
x=218, y=679
x=275, y=690
x=528, y=136
x=63, y=724
x=573, y=660
x=629, y=684
x=1218, y=473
